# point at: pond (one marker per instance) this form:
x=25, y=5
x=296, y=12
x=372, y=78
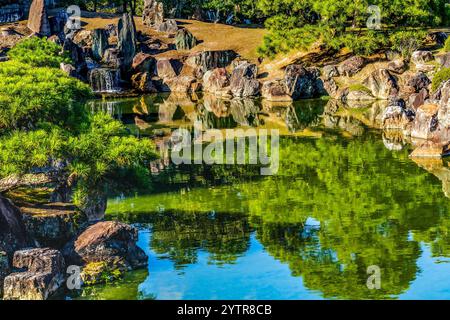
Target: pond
x=346, y=198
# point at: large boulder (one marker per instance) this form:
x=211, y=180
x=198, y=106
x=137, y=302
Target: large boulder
x=112, y=59
x=38, y=19
x=127, y=41
x=168, y=68
x=5, y=269
x=421, y=59
x=208, y=60
x=99, y=43
x=418, y=81
x=398, y=66
x=426, y=121
x=109, y=242
x=183, y=84
x=382, y=84
x=243, y=82
x=12, y=229
x=396, y=116
x=303, y=83
x=44, y=275
x=351, y=66
x=143, y=83
x=216, y=80
x=153, y=13
x=275, y=90
x=169, y=26
x=444, y=105
x=185, y=40
x=143, y=62
x=444, y=60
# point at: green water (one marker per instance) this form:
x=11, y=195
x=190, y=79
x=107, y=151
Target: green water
x=346, y=197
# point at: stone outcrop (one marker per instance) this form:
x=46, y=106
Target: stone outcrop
x=183, y=84
x=44, y=275
x=358, y=94
x=330, y=71
x=108, y=242
x=143, y=62
x=418, y=81
x=168, y=68
x=215, y=81
x=275, y=90
x=185, y=40
x=169, y=26
x=396, y=116
x=208, y=60
x=111, y=58
x=143, y=83
x=243, y=82
x=38, y=19
x=444, y=60
x=153, y=13
x=127, y=41
x=382, y=84
x=12, y=229
x=99, y=43
x=398, y=66
x=421, y=58
x=425, y=122
x=303, y=83
x=351, y=66
x=5, y=269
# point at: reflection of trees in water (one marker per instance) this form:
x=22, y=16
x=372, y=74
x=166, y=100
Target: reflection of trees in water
x=180, y=236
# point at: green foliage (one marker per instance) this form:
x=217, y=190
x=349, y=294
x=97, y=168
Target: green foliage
x=30, y=96
x=440, y=77
x=447, y=45
x=38, y=52
x=406, y=42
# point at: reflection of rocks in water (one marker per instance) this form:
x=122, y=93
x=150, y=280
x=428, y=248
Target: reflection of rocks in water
x=178, y=106
x=111, y=108
x=352, y=126
x=429, y=149
x=393, y=140
x=245, y=112
x=180, y=236
x=438, y=169
x=220, y=107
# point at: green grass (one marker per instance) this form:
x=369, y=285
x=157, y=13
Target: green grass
x=440, y=77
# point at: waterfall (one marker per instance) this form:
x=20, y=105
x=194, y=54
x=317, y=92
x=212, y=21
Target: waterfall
x=104, y=80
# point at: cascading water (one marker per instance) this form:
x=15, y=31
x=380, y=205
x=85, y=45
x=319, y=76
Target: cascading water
x=104, y=80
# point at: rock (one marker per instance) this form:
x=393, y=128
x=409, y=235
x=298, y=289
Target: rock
x=111, y=30
x=275, y=90
x=382, y=84
x=111, y=58
x=331, y=88
x=444, y=105
x=417, y=99
x=169, y=26
x=438, y=37
x=185, y=40
x=5, y=269
x=99, y=43
x=303, y=83
x=183, y=84
x=397, y=66
x=104, y=80
x=351, y=66
x=38, y=19
x=243, y=82
x=83, y=38
x=430, y=149
x=94, y=204
x=54, y=228
x=396, y=117
x=330, y=71
x=109, y=242
x=208, y=60
x=425, y=122
x=168, y=68
x=77, y=55
x=127, y=41
x=419, y=81
x=216, y=80
x=12, y=230
x=444, y=60
x=68, y=69
x=420, y=59
x=143, y=62
x=101, y=272
x=44, y=275
x=143, y=82
x=153, y=13
x=357, y=94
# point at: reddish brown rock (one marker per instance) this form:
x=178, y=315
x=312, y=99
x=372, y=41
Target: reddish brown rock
x=183, y=84
x=142, y=82
x=425, y=122
x=109, y=242
x=351, y=66
x=216, y=80
x=275, y=90
x=167, y=68
x=38, y=19
x=143, y=62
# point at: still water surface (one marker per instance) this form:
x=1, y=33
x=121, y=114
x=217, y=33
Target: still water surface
x=346, y=197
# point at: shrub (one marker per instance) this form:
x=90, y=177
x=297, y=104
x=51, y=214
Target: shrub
x=406, y=42
x=447, y=45
x=440, y=77
x=38, y=52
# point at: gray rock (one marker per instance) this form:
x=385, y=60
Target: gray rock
x=243, y=82
x=275, y=90
x=208, y=60
x=12, y=229
x=216, y=80
x=351, y=66
x=303, y=83
x=38, y=19
x=99, y=43
x=44, y=275
x=185, y=40
x=382, y=84
x=330, y=71
x=127, y=41
x=153, y=13
x=5, y=269
x=169, y=26
x=444, y=60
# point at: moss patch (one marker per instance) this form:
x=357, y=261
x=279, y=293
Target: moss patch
x=440, y=77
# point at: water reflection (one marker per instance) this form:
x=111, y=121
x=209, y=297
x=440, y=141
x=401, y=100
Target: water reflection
x=340, y=203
